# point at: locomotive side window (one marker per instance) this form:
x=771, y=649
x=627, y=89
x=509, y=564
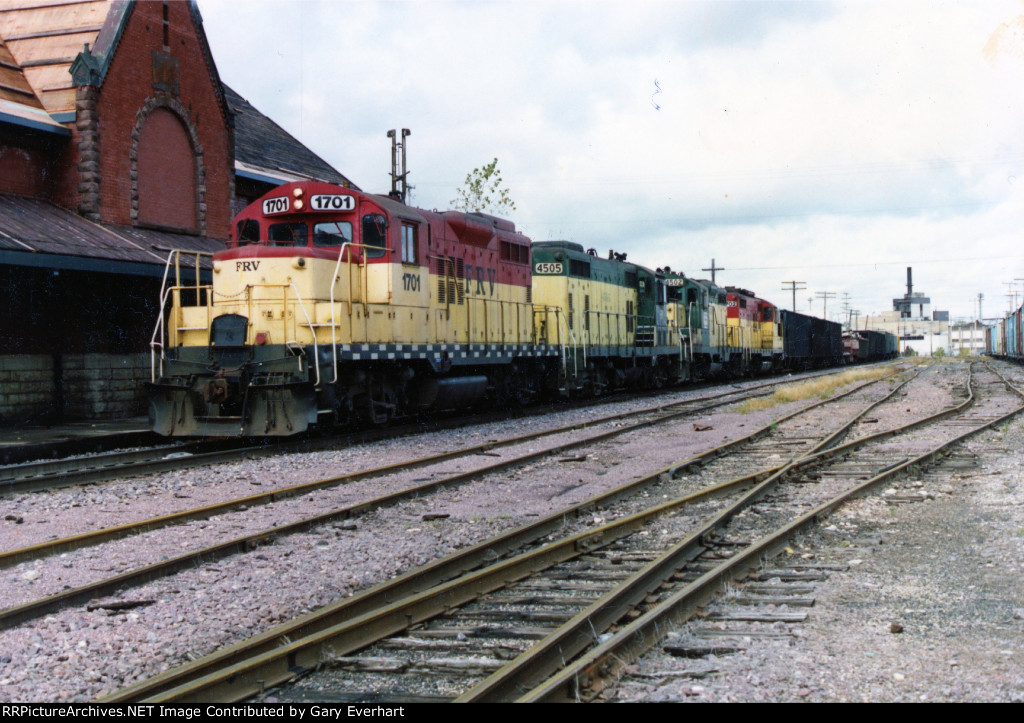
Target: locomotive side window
x=248, y=231
x=515, y=253
x=375, y=235
x=332, y=233
x=408, y=243
x=287, y=234
x=579, y=268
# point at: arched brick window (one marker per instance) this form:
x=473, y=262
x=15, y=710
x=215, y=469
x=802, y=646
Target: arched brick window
x=166, y=173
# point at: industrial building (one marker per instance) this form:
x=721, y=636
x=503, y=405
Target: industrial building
x=920, y=330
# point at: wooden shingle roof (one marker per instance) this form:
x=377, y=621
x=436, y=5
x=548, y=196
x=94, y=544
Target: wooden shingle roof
x=13, y=84
x=43, y=38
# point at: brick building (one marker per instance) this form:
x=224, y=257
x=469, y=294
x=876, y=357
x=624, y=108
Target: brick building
x=118, y=142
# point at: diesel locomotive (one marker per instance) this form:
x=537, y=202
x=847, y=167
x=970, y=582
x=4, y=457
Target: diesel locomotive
x=330, y=305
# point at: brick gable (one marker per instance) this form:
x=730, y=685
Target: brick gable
x=144, y=75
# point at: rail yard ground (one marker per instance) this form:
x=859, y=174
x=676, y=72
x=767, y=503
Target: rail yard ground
x=930, y=607
x=922, y=600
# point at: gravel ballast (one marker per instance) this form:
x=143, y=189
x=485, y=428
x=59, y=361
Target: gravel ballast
x=79, y=655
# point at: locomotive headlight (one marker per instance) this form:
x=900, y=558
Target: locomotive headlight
x=297, y=192
x=216, y=267
x=299, y=204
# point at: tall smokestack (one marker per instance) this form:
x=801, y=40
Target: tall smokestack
x=910, y=282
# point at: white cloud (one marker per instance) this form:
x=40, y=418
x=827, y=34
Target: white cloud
x=787, y=135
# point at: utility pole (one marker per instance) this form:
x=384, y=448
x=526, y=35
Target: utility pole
x=713, y=269
x=1011, y=295
x=978, y=319
x=825, y=296
x=794, y=288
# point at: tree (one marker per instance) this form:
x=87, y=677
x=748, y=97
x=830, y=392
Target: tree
x=483, y=191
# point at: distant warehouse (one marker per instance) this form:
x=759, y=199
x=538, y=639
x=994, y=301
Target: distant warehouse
x=103, y=168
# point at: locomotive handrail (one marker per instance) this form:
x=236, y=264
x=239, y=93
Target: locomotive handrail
x=158, y=330
x=316, y=355
x=559, y=317
x=334, y=321
x=618, y=341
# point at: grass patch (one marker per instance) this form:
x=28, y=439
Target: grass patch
x=821, y=387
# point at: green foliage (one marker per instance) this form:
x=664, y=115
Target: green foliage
x=940, y=352
x=483, y=191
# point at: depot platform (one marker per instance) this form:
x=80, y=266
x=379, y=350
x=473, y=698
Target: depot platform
x=20, y=444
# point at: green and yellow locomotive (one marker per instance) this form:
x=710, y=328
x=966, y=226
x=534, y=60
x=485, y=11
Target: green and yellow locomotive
x=610, y=318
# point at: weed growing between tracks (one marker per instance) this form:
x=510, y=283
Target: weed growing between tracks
x=821, y=387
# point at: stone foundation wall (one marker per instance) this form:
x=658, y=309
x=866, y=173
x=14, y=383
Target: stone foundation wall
x=26, y=387
x=40, y=388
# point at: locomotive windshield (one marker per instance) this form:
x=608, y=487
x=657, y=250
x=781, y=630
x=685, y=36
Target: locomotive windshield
x=287, y=234
x=332, y=233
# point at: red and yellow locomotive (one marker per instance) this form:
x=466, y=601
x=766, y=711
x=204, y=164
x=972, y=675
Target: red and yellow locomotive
x=753, y=330
x=330, y=301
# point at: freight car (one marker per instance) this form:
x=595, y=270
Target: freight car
x=874, y=345
x=810, y=342
x=1006, y=339
x=330, y=305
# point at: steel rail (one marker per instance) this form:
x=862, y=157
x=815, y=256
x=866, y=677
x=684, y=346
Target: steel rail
x=600, y=666
x=259, y=653
x=51, y=474
x=9, y=558
x=75, y=596
x=549, y=655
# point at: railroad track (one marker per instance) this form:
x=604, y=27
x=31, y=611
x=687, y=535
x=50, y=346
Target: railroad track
x=111, y=465
x=594, y=430
x=246, y=669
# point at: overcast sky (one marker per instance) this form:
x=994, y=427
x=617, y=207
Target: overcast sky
x=831, y=143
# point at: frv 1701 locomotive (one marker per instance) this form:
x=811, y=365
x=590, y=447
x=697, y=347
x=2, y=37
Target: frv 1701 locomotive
x=331, y=305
